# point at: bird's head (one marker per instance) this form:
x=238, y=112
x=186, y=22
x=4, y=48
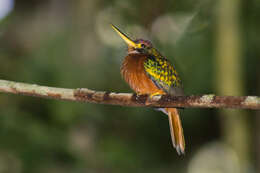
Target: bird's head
x=138, y=46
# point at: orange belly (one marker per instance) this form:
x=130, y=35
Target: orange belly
x=134, y=74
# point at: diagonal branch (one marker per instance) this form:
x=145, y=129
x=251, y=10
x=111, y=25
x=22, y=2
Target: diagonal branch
x=128, y=99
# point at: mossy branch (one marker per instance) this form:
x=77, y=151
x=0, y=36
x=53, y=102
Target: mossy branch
x=128, y=99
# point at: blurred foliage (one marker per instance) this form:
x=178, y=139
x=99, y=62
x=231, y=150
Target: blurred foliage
x=70, y=44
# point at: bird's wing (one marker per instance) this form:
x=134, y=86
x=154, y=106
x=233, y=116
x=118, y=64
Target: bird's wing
x=163, y=74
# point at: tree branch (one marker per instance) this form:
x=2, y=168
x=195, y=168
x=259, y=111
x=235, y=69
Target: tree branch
x=128, y=99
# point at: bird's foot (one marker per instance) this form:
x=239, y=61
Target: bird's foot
x=156, y=94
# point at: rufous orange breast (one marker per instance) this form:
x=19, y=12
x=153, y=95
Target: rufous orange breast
x=133, y=72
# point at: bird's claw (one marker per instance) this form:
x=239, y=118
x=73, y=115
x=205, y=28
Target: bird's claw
x=155, y=94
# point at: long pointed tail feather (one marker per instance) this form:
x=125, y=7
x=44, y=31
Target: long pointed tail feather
x=176, y=130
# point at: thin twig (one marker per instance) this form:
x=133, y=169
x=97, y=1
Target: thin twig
x=128, y=99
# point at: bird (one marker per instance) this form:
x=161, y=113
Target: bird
x=148, y=72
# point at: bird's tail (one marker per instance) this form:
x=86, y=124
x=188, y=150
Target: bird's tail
x=176, y=129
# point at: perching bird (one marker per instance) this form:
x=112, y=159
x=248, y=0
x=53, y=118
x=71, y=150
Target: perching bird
x=148, y=72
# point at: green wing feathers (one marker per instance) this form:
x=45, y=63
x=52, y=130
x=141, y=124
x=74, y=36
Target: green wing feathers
x=163, y=74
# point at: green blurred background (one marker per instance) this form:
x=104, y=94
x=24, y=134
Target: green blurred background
x=70, y=44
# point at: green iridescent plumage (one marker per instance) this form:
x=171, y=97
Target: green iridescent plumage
x=162, y=73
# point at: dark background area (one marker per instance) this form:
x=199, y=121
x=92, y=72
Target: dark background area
x=70, y=44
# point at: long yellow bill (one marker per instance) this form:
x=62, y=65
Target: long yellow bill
x=124, y=37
